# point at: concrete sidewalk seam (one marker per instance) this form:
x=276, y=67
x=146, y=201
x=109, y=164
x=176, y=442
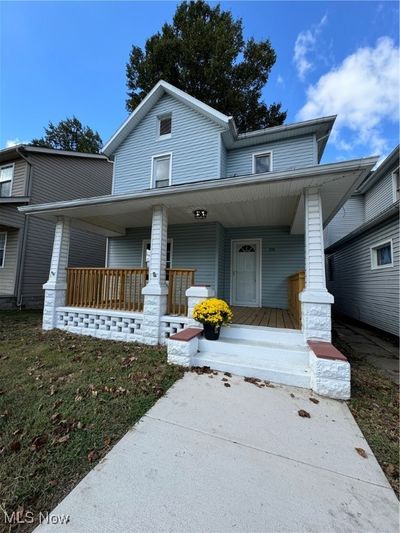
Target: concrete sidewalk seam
x=244, y=445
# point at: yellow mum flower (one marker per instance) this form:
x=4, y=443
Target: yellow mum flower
x=213, y=311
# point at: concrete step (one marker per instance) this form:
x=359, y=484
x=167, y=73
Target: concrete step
x=260, y=333
x=251, y=365
x=265, y=352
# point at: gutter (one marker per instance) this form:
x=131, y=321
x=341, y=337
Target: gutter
x=241, y=181
x=21, y=263
x=382, y=217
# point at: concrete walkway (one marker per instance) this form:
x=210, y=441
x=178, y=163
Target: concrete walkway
x=379, y=351
x=211, y=458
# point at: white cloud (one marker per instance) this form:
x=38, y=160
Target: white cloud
x=280, y=80
x=363, y=91
x=305, y=43
x=14, y=142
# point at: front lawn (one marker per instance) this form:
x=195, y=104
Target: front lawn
x=65, y=400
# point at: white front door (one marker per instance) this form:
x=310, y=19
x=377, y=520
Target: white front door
x=246, y=255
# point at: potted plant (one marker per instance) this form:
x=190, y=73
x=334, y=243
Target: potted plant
x=212, y=313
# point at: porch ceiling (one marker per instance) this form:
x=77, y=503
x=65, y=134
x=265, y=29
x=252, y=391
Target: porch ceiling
x=271, y=199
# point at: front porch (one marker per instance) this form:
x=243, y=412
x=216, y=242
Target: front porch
x=264, y=316
x=260, y=248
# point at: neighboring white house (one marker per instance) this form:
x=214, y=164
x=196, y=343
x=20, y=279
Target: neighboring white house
x=362, y=250
x=199, y=209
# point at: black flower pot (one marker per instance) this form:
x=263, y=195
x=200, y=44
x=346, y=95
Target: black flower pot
x=211, y=332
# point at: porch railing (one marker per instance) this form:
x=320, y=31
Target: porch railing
x=296, y=284
x=106, y=288
x=178, y=281
x=121, y=288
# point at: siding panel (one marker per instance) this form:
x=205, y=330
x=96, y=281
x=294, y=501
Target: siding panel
x=194, y=144
x=19, y=179
x=288, y=154
x=7, y=272
x=350, y=217
x=379, y=197
x=371, y=296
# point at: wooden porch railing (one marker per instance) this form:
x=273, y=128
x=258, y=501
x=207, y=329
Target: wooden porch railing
x=178, y=281
x=121, y=288
x=296, y=284
x=106, y=288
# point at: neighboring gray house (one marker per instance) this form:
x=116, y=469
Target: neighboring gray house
x=362, y=250
x=199, y=209
x=31, y=175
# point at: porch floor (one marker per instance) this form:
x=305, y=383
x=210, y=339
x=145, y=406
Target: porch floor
x=263, y=316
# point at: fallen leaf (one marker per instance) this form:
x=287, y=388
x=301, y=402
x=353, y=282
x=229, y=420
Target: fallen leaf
x=107, y=440
x=314, y=400
x=92, y=456
x=56, y=417
x=228, y=374
x=15, y=446
x=52, y=390
x=62, y=439
x=224, y=379
x=292, y=395
x=53, y=482
x=361, y=452
x=38, y=442
x=304, y=414
x=226, y=385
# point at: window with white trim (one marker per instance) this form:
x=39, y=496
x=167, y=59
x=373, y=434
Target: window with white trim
x=165, y=126
x=262, y=163
x=3, y=239
x=382, y=255
x=396, y=185
x=146, y=251
x=6, y=176
x=161, y=171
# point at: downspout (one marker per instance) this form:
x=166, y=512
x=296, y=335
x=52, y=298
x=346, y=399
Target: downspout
x=28, y=190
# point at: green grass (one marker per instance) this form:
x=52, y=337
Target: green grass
x=375, y=406
x=64, y=401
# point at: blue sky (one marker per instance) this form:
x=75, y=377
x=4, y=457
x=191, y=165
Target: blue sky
x=65, y=58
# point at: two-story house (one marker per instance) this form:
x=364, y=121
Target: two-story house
x=199, y=209
x=362, y=250
x=31, y=175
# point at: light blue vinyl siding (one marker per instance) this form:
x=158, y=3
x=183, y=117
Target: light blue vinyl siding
x=194, y=246
x=350, y=217
x=194, y=143
x=288, y=154
x=207, y=247
x=371, y=296
x=282, y=256
x=379, y=197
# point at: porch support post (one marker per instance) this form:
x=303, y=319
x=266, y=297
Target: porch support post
x=315, y=300
x=195, y=295
x=156, y=291
x=56, y=286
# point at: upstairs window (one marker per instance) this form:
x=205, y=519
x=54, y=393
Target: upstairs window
x=3, y=237
x=382, y=255
x=161, y=172
x=262, y=163
x=165, y=126
x=6, y=176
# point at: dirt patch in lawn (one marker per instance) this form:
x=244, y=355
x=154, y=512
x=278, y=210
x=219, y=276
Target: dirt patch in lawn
x=65, y=400
x=375, y=406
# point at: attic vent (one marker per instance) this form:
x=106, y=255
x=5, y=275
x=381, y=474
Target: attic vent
x=165, y=125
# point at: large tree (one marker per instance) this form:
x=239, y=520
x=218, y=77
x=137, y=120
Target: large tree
x=203, y=52
x=70, y=134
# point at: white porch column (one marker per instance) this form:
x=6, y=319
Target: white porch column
x=56, y=286
x=315, y=300
x=156, y=291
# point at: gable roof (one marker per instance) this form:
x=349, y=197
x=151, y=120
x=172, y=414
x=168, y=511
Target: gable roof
x=161, y=88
